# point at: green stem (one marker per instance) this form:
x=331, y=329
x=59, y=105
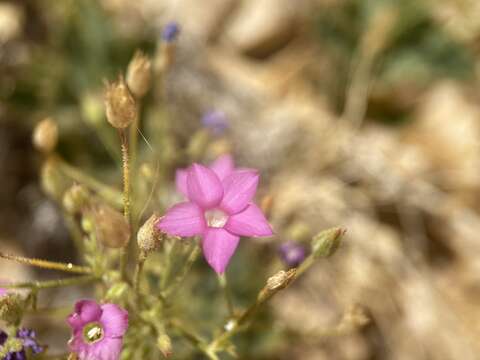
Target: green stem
x=48, y=264
x=53, y=283
x=142, y=256
x=222, y=279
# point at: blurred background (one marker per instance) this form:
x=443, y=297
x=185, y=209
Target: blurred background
x=359, y=113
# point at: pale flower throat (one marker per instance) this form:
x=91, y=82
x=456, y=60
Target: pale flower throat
x=216, y=218
x=92, y=333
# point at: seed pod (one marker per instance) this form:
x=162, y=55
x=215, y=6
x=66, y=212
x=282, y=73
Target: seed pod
x=111, y=228
x=75, y=199
x=11, y=308
x=139, y=74
x=45, y=135
x=120, y=105
x=148, y=236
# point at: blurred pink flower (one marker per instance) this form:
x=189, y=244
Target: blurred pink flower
x=97, y=330
x=3, y=291
x=219, y=209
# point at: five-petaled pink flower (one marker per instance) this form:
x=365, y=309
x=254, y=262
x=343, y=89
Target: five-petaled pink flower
x=97, y=330
x=219, y=209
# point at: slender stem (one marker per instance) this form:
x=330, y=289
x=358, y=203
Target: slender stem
x=142, y=256
x=52, y=283
x=185, y=270
x=222, y=279
x=69, y=267
x=133, y=138
x=194, y=338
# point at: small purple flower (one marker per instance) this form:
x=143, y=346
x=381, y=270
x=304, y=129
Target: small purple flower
x=27, y=337
x=170, y=32
x=97, y=330
x=292, y=253
x=219, y=209
x=216, y=121
x=3, y=291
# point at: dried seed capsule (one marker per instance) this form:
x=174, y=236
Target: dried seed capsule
x=45, y=135
x=139, y=74
x=121, y=108
x=111, y=228
x=148, y=236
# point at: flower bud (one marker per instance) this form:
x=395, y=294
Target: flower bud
x=148, y=236
x=11, y=308
x=164, y=344
x=52, y=181
x=326, y=243
x=45, y=135
x=75, y=199
x=120, y=105
x=117, y=292
x=111, y=228
x=139, y=74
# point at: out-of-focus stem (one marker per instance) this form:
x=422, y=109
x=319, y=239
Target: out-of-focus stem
x=53, y=283
x=186, y=268
x=48, y=264
x=142, y=256
x=112, y=196
x=222, y=280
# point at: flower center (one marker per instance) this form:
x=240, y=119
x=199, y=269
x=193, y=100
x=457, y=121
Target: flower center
x=92, y=333
x=216, y=218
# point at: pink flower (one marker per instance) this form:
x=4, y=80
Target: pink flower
x=219, y=209
x=97, y=330
x=3, y=292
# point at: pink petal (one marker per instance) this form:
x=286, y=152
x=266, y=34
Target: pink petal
x=223, y=166
x=106, y=349
x=181, y=181
x=204, y=187
x=249, y=222
x=218, y=247
x=85, y=311
x=239, y=189
x=114, y=320
x=3, y=292
x=184, y=219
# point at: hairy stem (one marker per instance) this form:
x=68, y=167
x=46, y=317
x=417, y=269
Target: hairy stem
x=67, y=267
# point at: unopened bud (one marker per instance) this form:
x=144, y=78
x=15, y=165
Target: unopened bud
x=11, y=308
x=45, y=135
x=53, y=183
x=75, y=199
x=116, y=292
x=120, y=105
x=111, y=228
x=164, y=344
x=148, y=236
x=139, y=74
x=326, y=243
